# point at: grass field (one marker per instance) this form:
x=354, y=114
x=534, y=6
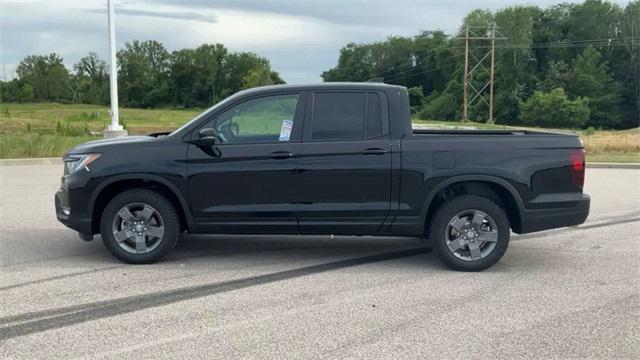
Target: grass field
x=46, y=129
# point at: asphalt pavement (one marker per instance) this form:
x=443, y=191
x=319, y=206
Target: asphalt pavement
x=566, y=293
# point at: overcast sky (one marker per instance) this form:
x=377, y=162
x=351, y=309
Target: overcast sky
x=301, y=38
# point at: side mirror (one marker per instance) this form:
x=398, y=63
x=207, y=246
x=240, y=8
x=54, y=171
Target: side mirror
x=206, y=133
x=206, y=137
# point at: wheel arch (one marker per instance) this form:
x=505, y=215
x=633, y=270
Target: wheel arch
x=491, y=187
x=116, y=185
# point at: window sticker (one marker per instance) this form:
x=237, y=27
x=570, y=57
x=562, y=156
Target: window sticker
x=285, y=131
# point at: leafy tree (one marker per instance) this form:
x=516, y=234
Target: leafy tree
x=554, y=109
x=416, y=97
x=557, y=75
x=590, y=78
x=551, y=26
x=143, y=75
x=237, y=65
x=593, y=19
x=26, y=94
x=477, y=18
x=436, y=60
x=91, y=80
x=391, y=59
x=445, y=105
x=258, y=76
x=625, y=65
x=514, y=63
x=196, y=75
x=46, y=75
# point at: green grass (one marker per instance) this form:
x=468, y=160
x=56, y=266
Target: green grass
x=13, y=146
x=43, y=117
x=614, y=157
x=49, y=129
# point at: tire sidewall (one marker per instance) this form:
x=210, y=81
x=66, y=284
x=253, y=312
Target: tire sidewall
x=459, y=204
x=161, y=204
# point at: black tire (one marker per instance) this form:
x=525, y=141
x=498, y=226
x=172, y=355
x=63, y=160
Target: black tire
x=439, y=227
x=169, y=217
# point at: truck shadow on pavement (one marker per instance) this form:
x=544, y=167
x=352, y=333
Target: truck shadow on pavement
x=321, y=255
x=290, y=247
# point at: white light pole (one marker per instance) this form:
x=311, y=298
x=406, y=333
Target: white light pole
x=115, y=129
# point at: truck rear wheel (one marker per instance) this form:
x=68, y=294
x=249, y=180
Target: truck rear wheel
x=139, y=226
x=469, y=233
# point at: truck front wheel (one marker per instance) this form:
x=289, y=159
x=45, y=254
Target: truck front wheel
x=469, y=233
x=140, y=226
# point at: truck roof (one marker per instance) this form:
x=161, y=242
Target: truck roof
x=368, y=86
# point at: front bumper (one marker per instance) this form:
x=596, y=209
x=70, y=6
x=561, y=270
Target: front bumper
x=556, y=217
x=70, y=216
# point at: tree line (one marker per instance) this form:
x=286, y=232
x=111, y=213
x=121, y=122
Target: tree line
x=568, y=65
x=148, y=76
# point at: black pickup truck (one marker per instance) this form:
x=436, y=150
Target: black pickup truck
x=335, y=158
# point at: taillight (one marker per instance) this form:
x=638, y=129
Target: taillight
x=577, y=167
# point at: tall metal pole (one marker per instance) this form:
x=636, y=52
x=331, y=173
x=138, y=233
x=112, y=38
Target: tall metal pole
x=635, y=44
x=466, y=72
x=115, y=129
x=493, y=51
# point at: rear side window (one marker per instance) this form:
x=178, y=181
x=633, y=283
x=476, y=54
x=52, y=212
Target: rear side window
x=346, y=116
x=338, y=116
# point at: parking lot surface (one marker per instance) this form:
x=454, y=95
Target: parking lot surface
x=567, y=293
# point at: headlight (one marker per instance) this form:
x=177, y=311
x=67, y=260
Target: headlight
x=77, y=162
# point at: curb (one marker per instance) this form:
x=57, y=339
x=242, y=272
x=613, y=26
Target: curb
x=57, y=160
x=601, y=165
x=30, y=161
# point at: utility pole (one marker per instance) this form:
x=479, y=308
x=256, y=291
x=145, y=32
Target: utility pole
x=465, y=116
x=493, y=52
x=635, y=45
x=481, y=34
x=115, y=129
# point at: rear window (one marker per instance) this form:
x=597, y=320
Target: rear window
x=346, y=116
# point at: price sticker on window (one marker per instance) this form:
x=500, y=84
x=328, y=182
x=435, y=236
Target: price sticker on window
x=285, y=131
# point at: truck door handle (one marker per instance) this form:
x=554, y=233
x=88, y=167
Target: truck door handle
x=281, y=155
x=374, y=151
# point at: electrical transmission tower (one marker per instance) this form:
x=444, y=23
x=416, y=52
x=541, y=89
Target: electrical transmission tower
x=472, y=76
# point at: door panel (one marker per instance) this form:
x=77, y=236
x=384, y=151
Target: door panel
x=245, y=189
x=242, y=185
x=342, y=188
x=345, y=164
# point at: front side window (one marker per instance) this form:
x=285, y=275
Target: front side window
x=263, y=120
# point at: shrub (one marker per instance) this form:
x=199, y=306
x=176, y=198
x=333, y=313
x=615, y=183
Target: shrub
x=444, y=107
x=554, y=109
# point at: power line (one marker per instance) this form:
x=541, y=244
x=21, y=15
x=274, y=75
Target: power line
x=418, y=70
x=409, y=67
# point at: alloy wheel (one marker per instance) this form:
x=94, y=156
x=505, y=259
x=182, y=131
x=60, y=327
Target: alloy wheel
x=138, y=228
x=471, y=235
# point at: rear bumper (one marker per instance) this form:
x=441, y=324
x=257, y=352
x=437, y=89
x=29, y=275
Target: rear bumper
x=551, y=218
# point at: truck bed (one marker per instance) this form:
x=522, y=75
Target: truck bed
x=480, y=132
